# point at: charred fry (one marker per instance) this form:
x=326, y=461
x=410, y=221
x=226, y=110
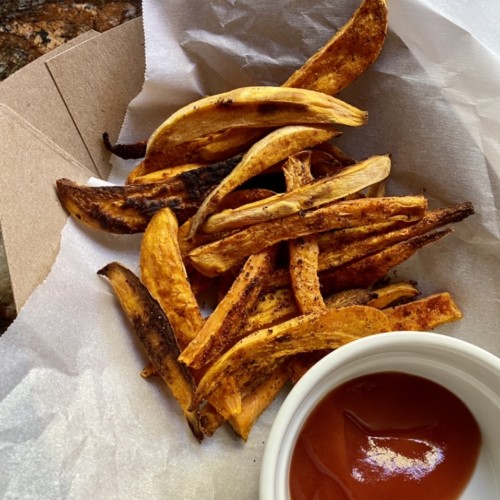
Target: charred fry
x=164, y=275
x=125, y=151
x=128, y=209
x=156, y=336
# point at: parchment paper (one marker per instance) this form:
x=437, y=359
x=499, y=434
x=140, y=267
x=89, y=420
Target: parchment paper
x=76, y=420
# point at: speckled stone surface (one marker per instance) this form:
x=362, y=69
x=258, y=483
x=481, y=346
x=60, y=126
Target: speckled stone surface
x=30, y=28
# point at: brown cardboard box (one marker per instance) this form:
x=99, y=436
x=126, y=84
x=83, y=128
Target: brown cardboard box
x=52, y=115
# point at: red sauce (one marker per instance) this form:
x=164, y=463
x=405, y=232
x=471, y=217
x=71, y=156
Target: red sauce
x=386, y=436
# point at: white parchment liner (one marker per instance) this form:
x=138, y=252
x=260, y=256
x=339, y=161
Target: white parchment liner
x=76, y=420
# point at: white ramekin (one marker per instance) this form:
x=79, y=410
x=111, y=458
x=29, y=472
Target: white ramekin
x=468, y=371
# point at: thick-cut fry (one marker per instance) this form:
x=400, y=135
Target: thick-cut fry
x=424, y=314
x=223, y=326
x=273, y=148
x=156, y=336
x=368, y=270
x=265, y=349
x=215, y=258
x=348, y=54
x=252, y=107
x=339, y=252
x=306, y=196
x=128, y=209
x=303, y=252
x=164, y=274
x=254, y=403
x=393, y=293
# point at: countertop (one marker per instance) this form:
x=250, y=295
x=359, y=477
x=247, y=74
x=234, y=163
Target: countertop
x=30, y=28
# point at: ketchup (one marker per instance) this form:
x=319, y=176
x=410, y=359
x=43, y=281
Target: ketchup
x=385, y=436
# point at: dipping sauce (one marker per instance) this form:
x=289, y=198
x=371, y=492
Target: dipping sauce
x=386, y=436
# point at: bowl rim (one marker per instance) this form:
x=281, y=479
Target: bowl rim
x=365, y=346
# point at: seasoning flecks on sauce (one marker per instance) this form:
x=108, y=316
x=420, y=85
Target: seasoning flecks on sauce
x=386, y=436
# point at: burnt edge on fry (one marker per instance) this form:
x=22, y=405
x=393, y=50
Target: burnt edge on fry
x=128, y=209
x=155, y=334
x=132, y=151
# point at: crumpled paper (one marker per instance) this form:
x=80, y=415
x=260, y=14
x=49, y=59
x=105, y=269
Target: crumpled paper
x=76, y=420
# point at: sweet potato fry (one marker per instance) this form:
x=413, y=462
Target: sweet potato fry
x=125, y=151
x=156, y=336
x=254, y=403
x=302, y=197
x=164, y=174
x=303, y=252
x=215, y=258
x=424, y=314
x=223, y=326
x=368, y=270
x=232, y=200
x=164, y=275
x=392, y=294
x=273, y=148
x=128, y=209
x=265, y=349
x=339, y=252
x=348, y=54
x=248, y=107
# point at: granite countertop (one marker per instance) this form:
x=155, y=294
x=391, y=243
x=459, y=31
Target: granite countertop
x=31, y=28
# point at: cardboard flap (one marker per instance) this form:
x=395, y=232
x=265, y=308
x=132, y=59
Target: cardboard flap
x=109, y=70
x=31, y=217
x=32, y=93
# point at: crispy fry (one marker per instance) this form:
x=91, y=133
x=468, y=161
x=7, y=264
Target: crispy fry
x=223, y=326
x=265, y=349
x=252, y=107
x=156, y=336
x=215, y=258
x=368, y=270
x=164, y=275
x=339, y=252
x=273, y=148
x=306, y=196
x=128, y=209
x=391, y=294
x=348, y=54
x=424, y=314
